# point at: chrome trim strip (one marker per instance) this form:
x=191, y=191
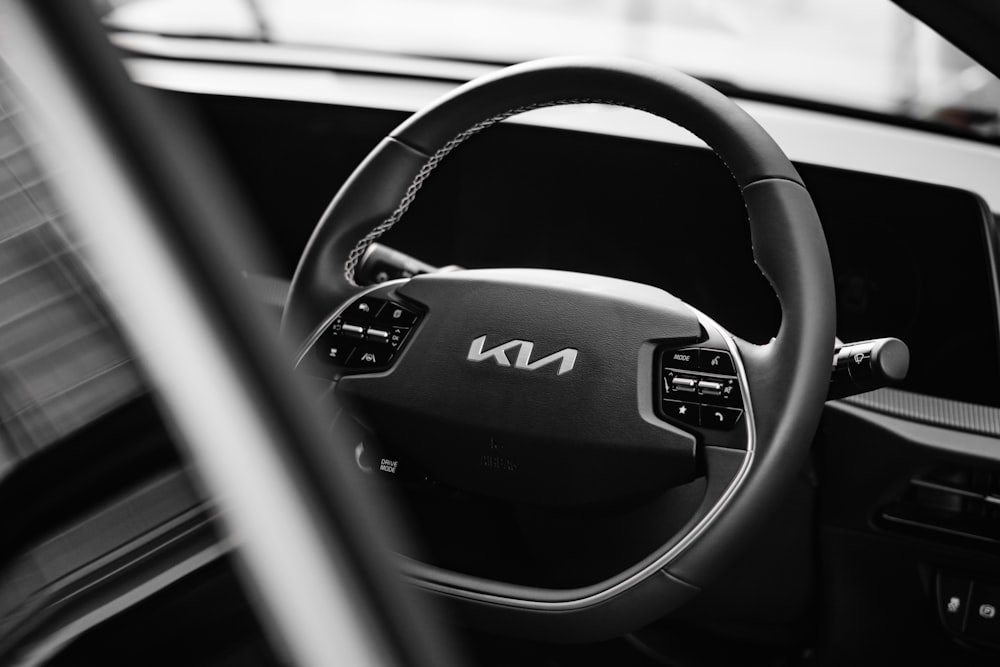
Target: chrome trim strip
x=657, y=565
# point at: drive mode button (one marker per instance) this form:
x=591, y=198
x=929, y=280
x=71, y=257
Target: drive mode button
x=681, y=359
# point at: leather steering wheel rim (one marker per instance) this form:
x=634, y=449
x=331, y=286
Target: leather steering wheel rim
x=787, y=378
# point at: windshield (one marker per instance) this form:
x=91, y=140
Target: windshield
x=860, y=54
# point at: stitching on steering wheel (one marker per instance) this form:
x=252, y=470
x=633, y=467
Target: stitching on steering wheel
x=354, y=257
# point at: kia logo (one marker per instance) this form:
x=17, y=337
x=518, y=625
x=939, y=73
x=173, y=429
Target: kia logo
x=565, y=357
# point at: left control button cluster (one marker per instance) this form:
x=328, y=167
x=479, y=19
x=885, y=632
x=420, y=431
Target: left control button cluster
x=368, y=335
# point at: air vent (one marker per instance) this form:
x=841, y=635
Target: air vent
x=951, y=503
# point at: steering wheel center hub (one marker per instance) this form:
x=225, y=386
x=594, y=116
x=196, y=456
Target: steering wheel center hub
x=528, y=385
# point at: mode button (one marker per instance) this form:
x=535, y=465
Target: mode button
x=681, y=359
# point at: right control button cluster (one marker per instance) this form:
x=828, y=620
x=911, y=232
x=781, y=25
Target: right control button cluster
x=698, y=387
x=969, y=607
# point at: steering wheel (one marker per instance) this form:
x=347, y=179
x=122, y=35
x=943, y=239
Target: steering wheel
x=566, y=389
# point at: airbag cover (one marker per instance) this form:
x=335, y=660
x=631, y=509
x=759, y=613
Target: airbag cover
x=533, y=386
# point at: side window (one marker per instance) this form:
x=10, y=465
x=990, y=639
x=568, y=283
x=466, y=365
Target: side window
x=62, y=362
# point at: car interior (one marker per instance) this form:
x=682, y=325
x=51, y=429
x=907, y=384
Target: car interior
x=573, y=361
